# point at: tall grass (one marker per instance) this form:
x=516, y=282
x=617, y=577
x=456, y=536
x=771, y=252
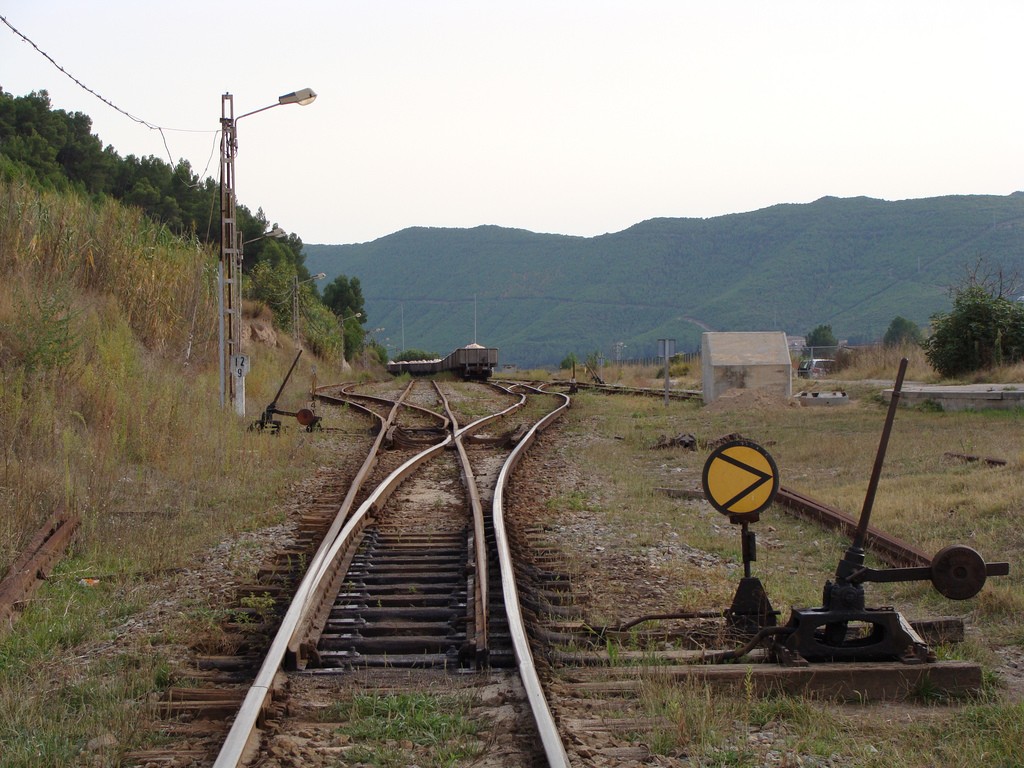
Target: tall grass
x=109, y=409
x=881, y=363
x=161, y=283
x=109, y=389
x=97, y=305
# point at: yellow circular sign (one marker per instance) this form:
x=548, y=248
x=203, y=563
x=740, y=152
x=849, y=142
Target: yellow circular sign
x=740, y=478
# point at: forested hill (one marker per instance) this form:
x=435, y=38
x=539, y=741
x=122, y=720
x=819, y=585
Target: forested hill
x=854, y=264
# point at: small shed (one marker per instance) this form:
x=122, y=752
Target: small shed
x=754, y=360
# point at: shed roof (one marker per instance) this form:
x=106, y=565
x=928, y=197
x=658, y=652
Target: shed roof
x=747, y=348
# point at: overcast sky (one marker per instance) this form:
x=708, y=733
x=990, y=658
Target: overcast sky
x=575, y=117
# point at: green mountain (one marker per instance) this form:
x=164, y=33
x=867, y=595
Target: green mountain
x=854, y=264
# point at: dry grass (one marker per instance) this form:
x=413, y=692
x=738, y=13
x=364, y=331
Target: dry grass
x=108, y=405
x=828, y=453
x=882, y=363
x=923, y=497
x=109, y=410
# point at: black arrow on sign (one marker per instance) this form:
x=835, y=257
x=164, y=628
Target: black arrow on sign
x=762, y=478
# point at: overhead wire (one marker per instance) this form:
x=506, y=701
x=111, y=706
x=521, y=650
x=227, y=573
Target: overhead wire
x=112, y=105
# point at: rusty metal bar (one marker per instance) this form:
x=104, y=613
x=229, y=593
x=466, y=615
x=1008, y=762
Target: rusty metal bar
x=36, y=562
x=966, y=457
x=888, y=548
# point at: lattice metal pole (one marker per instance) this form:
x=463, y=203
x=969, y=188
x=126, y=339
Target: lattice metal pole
x=295, y=310
x=230, y=300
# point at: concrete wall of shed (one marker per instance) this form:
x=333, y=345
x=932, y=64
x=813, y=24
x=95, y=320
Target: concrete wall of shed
x=754, y=360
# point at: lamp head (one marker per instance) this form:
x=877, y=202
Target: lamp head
x=302, y=98
x=319, y=275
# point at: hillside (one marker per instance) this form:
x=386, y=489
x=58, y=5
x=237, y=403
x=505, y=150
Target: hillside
x=854, y=264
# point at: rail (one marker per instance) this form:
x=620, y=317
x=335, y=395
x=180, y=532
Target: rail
x=890, y=549
x=546, y=727
x=243, y=728
x=323, y=568
x=481, y=587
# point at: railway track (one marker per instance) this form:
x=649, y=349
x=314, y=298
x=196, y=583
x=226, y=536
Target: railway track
x=422, y=589
x=398, y=596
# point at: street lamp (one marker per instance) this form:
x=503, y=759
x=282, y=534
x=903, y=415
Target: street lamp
x=295, y=302
x=233, y=364
x=373, y=342
x=342, y=321
x=275, y=232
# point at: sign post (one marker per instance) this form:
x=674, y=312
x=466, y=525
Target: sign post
x=666, y=348
x=740, y=479
x=239, y=367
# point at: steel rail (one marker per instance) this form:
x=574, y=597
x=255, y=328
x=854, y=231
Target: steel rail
x=292, y=657
x=350, y=403
x=797, y=504
x=481, y=588
x=351, y=397
x=35, y=563
x=547, y=729
x=890, y=549
x=481, y=605
x=674, y=394
x=615, y=389
x=244, y=727
x=243, y=733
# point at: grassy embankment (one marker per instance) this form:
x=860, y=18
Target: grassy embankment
x=109, y=409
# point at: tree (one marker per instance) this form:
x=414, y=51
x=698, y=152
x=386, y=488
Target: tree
x=273, y=285
x=822, y=336
x=902, y=331
x=984, y=329
x=344, y=296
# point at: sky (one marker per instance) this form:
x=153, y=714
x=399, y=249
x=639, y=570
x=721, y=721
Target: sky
x=571, y=117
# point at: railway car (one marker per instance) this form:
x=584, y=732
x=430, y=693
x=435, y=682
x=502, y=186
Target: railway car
x=473, y=361
x=469, y=362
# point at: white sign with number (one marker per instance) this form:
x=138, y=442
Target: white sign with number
x=239, y=365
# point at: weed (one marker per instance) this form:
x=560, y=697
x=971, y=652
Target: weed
x=436, y=730
x=574, y=501
x=612, y=649
x=263, y=605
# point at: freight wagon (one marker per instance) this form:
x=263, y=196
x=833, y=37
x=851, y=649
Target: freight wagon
x=470, y=362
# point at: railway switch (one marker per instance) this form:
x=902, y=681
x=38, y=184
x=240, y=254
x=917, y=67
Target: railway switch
x=304, y=416
x=740, y=480
x=843, y=628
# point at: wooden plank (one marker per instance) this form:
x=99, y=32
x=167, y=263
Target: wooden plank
x=882, y=681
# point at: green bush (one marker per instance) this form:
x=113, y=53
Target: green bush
x=981, y=331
